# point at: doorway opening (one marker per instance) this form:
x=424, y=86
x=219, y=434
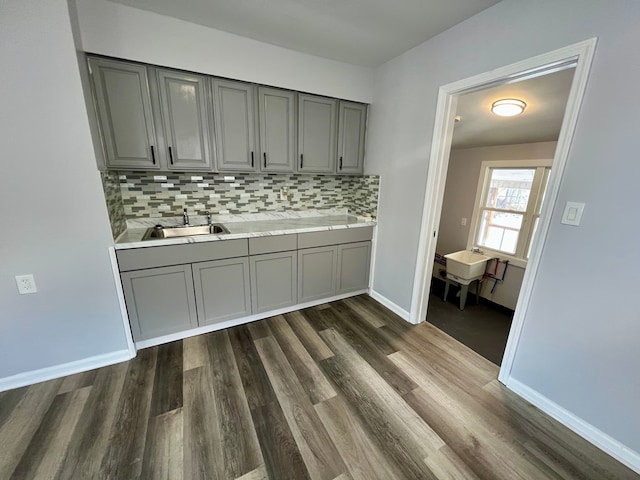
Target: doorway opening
x=580, y=55
x=496, y=180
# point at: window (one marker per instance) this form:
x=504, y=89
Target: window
x=508, y=203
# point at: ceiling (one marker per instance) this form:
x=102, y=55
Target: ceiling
x=360, y=32
x=546, y=97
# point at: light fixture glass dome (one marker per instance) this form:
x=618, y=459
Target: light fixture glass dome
x=508, y=107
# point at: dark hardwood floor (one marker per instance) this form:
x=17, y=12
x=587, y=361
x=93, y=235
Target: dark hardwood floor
x=345, y=390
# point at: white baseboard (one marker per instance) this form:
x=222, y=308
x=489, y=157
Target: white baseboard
x=401, y=312
x=57, y=371
x=152, y=342
x=604, y=442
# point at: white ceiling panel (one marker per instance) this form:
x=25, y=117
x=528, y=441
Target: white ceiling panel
x=360, y=32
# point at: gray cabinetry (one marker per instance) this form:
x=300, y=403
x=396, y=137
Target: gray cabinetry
x=317, y=269
x=353, y=266
x=124, y=109
x=184, y=111
x=273, y=281
x=277, y=130
x=352, y=118
x=222, y=290
x=316, y=134
x=160, y=301
x=234, y=111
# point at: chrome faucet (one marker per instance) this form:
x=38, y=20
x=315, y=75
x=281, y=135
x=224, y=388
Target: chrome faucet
x=185, y=217
x=208, y=214
x=477, y=250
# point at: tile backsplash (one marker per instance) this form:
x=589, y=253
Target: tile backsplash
x=113, y=197
x=151, y=194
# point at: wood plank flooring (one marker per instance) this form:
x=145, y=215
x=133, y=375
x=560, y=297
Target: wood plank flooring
x=341, y=391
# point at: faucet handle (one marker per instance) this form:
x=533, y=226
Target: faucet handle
x=208, y=215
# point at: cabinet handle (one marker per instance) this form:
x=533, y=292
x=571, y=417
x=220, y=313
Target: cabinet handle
x=171, y=156
x=251, y=159
x=340, y=163
x=264, y=154
x=153, y=155
x=301, y=160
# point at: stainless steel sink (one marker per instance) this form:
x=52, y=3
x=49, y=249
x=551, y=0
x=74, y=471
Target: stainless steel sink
x=160, y=231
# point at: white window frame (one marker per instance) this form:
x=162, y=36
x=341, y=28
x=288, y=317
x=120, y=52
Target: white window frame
x=532, y=212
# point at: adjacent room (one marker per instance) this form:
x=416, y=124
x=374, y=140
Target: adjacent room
x=496, y=181
x=230, y=229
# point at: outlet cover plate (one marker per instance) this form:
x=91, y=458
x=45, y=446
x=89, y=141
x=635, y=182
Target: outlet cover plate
x=26, y=284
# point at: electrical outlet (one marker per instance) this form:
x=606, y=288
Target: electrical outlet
x=463, y=221
x=284, y=194
x=26, y=284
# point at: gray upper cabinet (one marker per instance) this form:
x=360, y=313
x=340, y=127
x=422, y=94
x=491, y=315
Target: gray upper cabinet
x=234, y=111
x=277, y=130
x=124, y=109
x=184, y=104
x=316, y=134
x=352, y=119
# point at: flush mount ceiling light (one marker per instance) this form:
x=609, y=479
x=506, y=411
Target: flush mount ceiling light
x=508, y=107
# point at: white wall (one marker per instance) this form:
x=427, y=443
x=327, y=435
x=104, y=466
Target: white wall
x=120, y=31
x=579, y=346
x=52, y=211
x=459, y=199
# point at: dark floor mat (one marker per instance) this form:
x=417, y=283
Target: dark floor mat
x=483, y=328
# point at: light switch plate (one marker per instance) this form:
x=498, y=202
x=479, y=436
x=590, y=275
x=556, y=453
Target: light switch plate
x=572, y=213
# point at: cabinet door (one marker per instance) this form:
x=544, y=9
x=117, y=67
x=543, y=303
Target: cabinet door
x=273, y=281
x=277, y=130
x=317, y=269
x=316, y=134
x=185, y=118
x=159, y=301
x=234, y=112
x=353, y=266
x=124, y=109
x=352, y=118
x=222, y=290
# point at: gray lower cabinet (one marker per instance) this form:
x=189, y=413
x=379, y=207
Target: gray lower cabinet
x=277, y=130
x=317, y=269
x=234, y=110
x=222, y=290
x=184, y=101
x=316, y=134
x=353, y=266
x=352, y=119
x=273, y=281
x=124, y=110
x=160, y=301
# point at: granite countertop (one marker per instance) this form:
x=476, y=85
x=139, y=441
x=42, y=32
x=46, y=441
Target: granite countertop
x=245, y=226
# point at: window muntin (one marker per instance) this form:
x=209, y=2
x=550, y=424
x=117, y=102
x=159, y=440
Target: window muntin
x=508, y=204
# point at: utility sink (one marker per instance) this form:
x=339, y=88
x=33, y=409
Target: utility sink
x=159, y=231
x=466, y=265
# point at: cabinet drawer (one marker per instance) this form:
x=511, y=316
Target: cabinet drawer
x=273, y=244
x=149, y=257
x=334, y=237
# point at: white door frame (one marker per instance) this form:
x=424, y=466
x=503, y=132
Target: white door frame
x=581, y=54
